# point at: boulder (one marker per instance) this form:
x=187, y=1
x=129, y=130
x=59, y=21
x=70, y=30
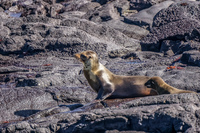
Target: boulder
x=111, y=11
x=191, y=57
x=132, y=31
x=105, y=13
x=143, y=4
x=177, y=11
x=145, y=17
x=170, y=48
x=71, y=5
x=177, y=22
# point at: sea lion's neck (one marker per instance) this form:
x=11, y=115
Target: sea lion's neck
x=103, y=68
x=95, y=67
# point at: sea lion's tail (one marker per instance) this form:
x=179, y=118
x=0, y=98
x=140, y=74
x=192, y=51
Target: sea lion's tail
x=186, y=91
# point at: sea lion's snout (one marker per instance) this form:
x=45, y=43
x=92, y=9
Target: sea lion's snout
x=77, y=56
x=81, y=57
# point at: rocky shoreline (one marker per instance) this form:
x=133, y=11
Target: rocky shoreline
x=43, y=89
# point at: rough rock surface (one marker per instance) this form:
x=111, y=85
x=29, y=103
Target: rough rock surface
x=143, y=4
x=178, y=22
x=167, y=113
x=42, y=86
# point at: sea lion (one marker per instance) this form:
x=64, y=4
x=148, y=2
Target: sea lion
x=109, y=85
x=162, y=87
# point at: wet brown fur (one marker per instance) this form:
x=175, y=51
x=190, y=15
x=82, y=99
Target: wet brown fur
x=162, y=87
x=109, y=85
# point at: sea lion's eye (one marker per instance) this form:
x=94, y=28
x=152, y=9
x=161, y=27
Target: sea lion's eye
x=83, y=57
x=90, y=57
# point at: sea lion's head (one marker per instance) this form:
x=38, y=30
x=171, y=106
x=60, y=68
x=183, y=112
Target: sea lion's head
x=154, y=82
x=150, y=84
x=89, y=59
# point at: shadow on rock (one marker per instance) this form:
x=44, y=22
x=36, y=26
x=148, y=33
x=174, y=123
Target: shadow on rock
x=25, y=113
x=54, y=110
x=77, y=108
